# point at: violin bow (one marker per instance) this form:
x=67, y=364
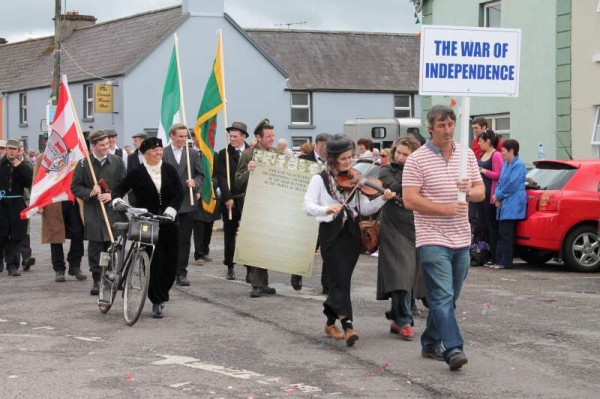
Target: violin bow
x=354, y=189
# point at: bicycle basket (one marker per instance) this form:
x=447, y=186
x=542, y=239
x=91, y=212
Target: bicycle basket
x=143, y=230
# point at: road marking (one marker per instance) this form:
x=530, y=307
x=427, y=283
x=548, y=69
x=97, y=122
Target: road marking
x=43, y=328
x=89, y=339
x=3, y=321
x=180, y=384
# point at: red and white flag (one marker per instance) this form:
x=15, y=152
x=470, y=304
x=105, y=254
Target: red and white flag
x=63, y=150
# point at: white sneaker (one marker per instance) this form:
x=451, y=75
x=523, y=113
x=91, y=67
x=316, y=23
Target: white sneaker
x=375, y=254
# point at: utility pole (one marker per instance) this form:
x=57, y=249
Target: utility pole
x=56, y=66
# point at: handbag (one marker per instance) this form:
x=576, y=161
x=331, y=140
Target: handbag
x=143, y=230
x=369, y=234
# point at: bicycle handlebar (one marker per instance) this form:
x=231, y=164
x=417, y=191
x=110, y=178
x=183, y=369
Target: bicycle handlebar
x=143, y=213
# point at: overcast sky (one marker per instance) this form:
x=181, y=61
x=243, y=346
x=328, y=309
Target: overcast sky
x=23, y=19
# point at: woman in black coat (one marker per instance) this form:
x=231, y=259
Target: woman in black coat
x=158, y=189
x=398, y=269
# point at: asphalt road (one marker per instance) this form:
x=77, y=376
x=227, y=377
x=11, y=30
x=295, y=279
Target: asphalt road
x=530, y=332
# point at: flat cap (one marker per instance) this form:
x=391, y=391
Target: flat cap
x=323, y=137
x=339, y=143
x=97, y=135
x=111, y=133
x=141, y=135
x=13, y=143
x=2, y=143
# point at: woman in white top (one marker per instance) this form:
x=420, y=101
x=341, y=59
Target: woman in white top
x=338, y=210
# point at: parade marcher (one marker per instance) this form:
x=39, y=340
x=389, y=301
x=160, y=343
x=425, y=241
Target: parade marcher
x=15, y=176
x=338, y=211
x=231, y=196
x=265, y=137
x=135, y=159
x=60, y=221
x=399, y=274
x=510, y=199
x=430, y=187
x=158, y=189
x=175, y=155
x=26, y=259
x=2, y=148
x=204, y=222
x=109, y=170
x=113, y=148
x=319, y=155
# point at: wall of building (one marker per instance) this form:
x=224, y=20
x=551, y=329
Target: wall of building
x=533, y=112
x=585, y=75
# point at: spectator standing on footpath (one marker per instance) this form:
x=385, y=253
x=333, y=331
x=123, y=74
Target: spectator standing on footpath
x=15, y=176
x=430, y=186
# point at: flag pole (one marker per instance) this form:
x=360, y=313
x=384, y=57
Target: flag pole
x=181, y=101
x=89, y=161
x=227, y=167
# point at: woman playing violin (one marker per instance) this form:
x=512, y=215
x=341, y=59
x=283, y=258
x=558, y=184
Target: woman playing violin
x=337, y=209
x=398, y=273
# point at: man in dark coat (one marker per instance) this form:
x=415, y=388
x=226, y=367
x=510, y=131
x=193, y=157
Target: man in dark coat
x=319, y=155
x=135, y=159
x=231, y=196
x=109, y=170
x=15, y=176
x=175, y=155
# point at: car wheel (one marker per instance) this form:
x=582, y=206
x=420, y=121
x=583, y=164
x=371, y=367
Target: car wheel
x=581, y=249
x=535, y=256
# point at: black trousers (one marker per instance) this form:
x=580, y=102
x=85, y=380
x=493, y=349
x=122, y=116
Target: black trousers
x=506, y=240
x=12, y=250
x=202, y=236
x=230, y=228
x=489, y=213
x=94, y=249
x=260, y=277
x=74, y=227
x=162, y=267
x=25, y=249
x=186, y=226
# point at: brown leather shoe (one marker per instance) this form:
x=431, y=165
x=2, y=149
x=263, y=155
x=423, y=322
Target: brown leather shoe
x=333, y=332
x=350, y=336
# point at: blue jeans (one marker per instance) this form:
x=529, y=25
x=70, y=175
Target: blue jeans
x=445, y=271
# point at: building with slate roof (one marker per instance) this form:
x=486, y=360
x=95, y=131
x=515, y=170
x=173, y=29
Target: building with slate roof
x=305, y=82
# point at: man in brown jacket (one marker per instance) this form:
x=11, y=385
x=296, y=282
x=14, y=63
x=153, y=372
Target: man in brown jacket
x=62, y=220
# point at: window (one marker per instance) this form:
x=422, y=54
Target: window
x=378, y=132
x=297, y=141
x=301, y=108
x=88, y=101
x=492, y=14
x=23, y=109
x=403, y=106
x=596, y=129
x=500, y=124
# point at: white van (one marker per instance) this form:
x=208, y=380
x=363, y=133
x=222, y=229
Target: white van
x=383, y=131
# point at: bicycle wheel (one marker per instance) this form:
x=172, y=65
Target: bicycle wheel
x=136, y=287
x=108, y=285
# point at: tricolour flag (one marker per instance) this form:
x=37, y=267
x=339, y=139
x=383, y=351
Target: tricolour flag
x=170, y=108
x=206, y=125
x=63, y=150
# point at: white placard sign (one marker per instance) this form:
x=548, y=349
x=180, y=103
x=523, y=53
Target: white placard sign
x=468, y=61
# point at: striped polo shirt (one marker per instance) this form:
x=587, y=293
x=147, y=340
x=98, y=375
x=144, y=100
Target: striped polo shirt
x=438, y=179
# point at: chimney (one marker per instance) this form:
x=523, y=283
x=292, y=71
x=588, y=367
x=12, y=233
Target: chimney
x=204, y=8
x=72, y=20
x=3, y=40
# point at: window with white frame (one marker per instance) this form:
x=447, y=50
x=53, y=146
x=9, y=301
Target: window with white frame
x=297, y=142
x=492, y=14
x=23, y=108
x=301, y=108
x=88, y=101
x=596, y=131
x=403, y=106
x=499, y=123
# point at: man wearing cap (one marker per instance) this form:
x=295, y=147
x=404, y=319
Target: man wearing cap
x=2, y=148
x=109, y=170
x=175, y=155
x=319, y=155
x=231, y=196
x=265, y=137
x=135, y=159
x=113, y=149
x=15, y=176
x=26, y=259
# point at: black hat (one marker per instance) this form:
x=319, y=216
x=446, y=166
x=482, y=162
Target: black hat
x=241, y=126
x=261, y=125
x=97, y=135
x=141, y=135
x=150, y=144
x=339, y=143
x=111, y=133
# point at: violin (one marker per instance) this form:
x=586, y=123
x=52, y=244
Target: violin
x=352, y=179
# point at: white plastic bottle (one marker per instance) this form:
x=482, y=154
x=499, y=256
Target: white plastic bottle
x=541, y=153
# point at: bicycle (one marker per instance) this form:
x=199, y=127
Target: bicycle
x=129, y=271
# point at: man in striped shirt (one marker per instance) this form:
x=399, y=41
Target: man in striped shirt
x=431, y=185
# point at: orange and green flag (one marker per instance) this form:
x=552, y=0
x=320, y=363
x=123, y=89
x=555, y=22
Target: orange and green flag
x=206, y=126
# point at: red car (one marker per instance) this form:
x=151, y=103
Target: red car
x=563, y=213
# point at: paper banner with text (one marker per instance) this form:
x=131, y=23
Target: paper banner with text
x=275, y=233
